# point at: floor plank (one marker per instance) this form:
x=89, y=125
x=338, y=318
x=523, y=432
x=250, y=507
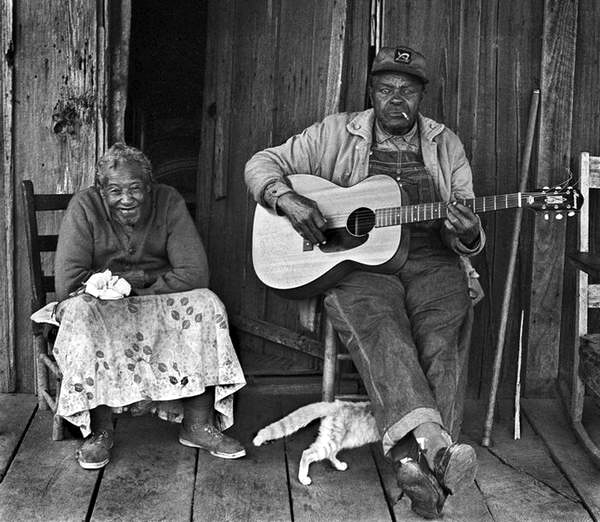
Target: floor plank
x=549, y=420
x=44, y=481
x=16, y=410
x=528, y=454
x=351, y=495
x=518, y=478
x=512, y=495
x=253, y=488
x=150, y=476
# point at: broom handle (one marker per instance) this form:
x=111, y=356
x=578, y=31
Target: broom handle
x=489, y=421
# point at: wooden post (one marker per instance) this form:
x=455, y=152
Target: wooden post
x=7, y=273
x=554, y=150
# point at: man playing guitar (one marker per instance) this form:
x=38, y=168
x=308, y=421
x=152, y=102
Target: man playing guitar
x=407, y=332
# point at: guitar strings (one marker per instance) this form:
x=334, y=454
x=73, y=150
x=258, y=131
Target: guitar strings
x=403, y=211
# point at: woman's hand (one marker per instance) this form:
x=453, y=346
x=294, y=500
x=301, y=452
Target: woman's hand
x=304, y=215
x=463, y=222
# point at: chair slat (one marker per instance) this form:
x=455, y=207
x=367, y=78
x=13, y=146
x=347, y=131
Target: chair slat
x=47, y=202
x=47, y=243
x=48, y=284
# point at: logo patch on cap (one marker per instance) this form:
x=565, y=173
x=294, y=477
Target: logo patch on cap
x=402, y=56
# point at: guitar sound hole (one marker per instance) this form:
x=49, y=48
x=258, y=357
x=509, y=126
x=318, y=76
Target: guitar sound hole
x=361, y=222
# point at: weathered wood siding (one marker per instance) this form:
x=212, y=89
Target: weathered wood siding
x=280, y=67
x=55, y=116
x=485, y=60
x=8, y=376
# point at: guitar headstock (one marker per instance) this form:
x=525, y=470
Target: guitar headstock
x=554, y=201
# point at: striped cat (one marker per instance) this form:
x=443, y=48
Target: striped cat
x=343, y=425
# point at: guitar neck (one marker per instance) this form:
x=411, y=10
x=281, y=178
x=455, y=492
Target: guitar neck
x=386, y=217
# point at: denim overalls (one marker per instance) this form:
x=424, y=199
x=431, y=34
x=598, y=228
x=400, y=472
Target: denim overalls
x=404, y=331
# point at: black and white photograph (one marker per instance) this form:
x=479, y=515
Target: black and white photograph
x=299, y=260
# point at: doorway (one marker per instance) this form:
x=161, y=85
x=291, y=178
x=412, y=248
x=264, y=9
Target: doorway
x=166, y=76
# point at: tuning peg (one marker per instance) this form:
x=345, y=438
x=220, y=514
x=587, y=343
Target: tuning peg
x=546, y=216
x=571, y=213
x=559, y=216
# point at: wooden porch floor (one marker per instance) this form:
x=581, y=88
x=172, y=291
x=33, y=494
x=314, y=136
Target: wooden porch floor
x=543, y=476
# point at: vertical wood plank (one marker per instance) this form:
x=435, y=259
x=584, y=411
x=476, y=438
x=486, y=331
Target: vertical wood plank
x=55, y=117
x=358, y=20
x=119, y=31
x=7, y=301
x=557, y=81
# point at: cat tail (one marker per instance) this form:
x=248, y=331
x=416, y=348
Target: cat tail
x=295, y=421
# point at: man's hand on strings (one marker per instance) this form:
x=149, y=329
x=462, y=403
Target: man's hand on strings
x=304, y=215
x=463, y=222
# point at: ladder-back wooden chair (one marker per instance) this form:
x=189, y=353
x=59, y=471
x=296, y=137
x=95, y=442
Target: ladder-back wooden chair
x=588, y=296
x=42, y=284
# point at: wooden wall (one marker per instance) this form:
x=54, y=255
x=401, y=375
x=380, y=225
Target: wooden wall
x=55, y=113
x=272, y=68
x=280, y=67
x=485, y=58
x=484, y=65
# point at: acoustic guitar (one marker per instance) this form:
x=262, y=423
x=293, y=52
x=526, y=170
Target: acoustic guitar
x=364, y=230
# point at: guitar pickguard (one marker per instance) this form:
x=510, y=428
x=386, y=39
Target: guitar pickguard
x=339, y=239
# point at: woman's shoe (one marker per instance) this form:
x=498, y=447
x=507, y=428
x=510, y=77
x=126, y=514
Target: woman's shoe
x=94, y=453
x=209, y=438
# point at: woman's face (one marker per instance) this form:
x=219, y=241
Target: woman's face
x=127, y=194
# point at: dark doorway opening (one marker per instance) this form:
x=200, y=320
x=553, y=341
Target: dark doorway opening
x=166, y=77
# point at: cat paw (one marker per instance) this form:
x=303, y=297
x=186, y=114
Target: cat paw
x=305, y=480
x=339, y=465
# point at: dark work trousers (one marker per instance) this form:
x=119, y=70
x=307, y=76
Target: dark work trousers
x=408, y=333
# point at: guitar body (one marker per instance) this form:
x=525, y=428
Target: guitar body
x=285, y=262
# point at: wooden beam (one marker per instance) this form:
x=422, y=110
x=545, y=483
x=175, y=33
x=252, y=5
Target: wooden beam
x=278, y=334
x=554, y=150
x=7, y=303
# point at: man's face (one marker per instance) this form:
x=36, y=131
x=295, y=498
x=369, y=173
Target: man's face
x=396, y=98
x=127, y=194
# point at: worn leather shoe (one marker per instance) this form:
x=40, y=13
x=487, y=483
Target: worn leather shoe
x=455, y=467
x=209, y=438
x=94, y=453
x=420, y=485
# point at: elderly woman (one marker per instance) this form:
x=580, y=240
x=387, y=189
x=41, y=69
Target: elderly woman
x=165, y=347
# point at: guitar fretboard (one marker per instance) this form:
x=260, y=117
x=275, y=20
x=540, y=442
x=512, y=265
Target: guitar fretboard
x=386, y=217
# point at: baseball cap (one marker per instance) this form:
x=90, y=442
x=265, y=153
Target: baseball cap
x=400, y=59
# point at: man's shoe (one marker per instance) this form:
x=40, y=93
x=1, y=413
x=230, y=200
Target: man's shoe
x=94, y=453
x=419, y=484
x=455, y=467
x=209, y=438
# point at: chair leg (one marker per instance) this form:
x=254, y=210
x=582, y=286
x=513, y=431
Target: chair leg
x=41, y=372
x=329, y=361
x=57, y=421
x=57, y=428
